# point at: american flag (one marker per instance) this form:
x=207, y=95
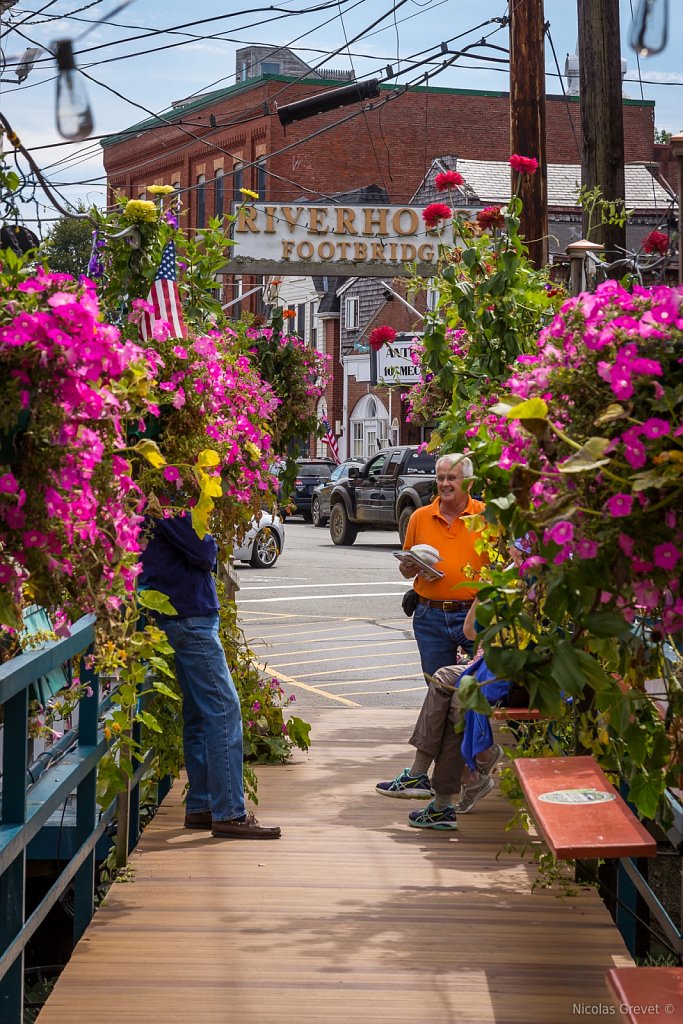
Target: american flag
x=331, y=441
x=164, y=297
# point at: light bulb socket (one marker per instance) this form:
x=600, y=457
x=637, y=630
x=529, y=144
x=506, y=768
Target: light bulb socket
x=64, y=55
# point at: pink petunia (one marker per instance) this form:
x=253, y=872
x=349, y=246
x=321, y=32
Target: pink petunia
x=666, y=555
x=587, y=548
x=655, y=427
x=559, y=533
x=8, y=484
x=619, y=505
x=171, y=473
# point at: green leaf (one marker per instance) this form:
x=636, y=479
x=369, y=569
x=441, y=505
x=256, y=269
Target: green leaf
x=150, y=451
x=593, y=671
x=149, y=720
x=162, y=666
x=165, y=690
x=589, y=456
x=608, y=623
x=612, y=412
x=471, y=697
x=157, y=601
x=565, y=669
x=636, y=742
x=645, y=793
x=299, y=732
x=531, y=409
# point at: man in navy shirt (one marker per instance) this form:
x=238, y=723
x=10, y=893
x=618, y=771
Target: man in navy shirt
x=180, y=564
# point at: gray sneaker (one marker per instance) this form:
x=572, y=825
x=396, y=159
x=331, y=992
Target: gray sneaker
x=472, y=793
x=497, y=755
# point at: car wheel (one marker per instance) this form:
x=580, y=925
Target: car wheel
x=317, y=513
x=405, y=515
x=265, y=550
x=307, y=516
x=341, y=530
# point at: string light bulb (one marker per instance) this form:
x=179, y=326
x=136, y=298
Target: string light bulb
x=650, y=27
x=73, y=114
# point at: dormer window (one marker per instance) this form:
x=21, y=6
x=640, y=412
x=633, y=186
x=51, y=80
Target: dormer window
x=351, y=313
x=270, y=67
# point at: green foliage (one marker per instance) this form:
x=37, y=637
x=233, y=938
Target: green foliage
x=601, y=211
x=68, y=245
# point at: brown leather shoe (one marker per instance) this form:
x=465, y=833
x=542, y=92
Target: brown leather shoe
x=198, y=819
x=250, y=828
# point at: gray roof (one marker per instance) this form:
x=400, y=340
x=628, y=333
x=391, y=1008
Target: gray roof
x=488, y=181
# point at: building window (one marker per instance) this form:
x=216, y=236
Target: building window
x=432, y=298
x=218, y=194
x=351, y=313
x=244, y=71
x=201, y=201
x=270, y=67
x=142, y=195
x=301, y=320
x=261, y=178
x=369, y=427
x=237, y=183
x=358, y=435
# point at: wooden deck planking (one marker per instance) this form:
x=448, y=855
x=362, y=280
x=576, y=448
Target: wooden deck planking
x=351, y=916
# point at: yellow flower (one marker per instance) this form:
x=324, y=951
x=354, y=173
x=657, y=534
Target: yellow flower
x=116, y=727
x=141, y=209
x=253, y=450
x=107, y=733
x=247, y=192
x=160, y=190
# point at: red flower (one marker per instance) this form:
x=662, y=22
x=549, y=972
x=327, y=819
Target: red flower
x=656, y=241
x=435, y=212
x=491, y=217
x=447, y=179
x=288, y=314
x=523, y=164
x=381, y=336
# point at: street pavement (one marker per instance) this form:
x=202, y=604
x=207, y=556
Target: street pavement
x=327, y=621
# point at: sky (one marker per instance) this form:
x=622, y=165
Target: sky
x=130, y=75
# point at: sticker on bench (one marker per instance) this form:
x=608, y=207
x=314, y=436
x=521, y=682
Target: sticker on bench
x=577, y=796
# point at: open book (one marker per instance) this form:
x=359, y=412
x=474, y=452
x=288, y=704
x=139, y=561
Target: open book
x=424, y=569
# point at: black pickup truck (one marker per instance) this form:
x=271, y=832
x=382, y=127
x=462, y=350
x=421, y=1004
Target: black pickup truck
x=383, y=494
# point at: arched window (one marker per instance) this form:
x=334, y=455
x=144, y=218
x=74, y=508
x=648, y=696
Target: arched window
x=369, y=427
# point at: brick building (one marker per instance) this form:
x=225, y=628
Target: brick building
x=210, y=145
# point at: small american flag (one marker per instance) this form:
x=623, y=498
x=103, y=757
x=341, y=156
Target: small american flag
x=164, y=297
x=331, y=441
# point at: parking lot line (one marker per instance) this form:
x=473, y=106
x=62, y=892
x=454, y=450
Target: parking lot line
x=304, y=686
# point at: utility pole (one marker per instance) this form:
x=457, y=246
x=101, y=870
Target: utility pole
x=527, y=120
x=602, y=117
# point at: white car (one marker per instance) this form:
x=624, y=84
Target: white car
x=263, y=543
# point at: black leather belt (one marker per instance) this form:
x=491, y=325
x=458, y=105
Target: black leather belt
x=446, y=606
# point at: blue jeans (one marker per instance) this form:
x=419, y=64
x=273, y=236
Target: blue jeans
x=438, y=635
x=212, y=718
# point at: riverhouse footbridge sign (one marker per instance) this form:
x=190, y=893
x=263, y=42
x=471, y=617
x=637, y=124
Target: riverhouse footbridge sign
x=346, y=241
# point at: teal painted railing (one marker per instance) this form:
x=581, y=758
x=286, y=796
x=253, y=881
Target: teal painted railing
x=27, y=806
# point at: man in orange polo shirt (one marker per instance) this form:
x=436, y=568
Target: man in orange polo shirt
x=443, y=604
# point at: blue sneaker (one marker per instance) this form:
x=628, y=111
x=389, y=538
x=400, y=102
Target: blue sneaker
x=444, y=819
x=406, y=786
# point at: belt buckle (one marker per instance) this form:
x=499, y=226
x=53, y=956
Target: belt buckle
x=450, y=606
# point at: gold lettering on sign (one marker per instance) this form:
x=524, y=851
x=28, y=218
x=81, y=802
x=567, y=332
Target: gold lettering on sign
x=270, y=228
x=304, y=250
x=292, y=220
x=360, y=251
x=373, y=217
x=408, y=252
x=400, y=215
x=425, y=253
x=345, y=221
x=344, y=249
x=317, y=224
x=326, y=250
x=393, y=251
x=246, y=219
x=287, y=247
x=377, y=251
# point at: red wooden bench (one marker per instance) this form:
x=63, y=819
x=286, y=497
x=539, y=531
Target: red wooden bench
x=518, y=715
x=647, y=995
x=578, y=811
